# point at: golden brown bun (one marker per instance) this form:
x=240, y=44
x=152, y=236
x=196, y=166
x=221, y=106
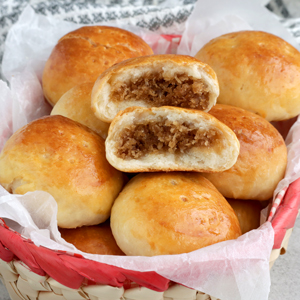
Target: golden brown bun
x=256, y=71
x=169, y=139
x=262, y=160
x=82, y=55
x=76, y=105
x=171, y=213
x=248, y=213
x=153, y=81
x=67, y=160
x=97, y=239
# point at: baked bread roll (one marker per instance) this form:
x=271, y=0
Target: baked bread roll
x=83, y=54
x=262, y=160
x=97, y=239
x=76, y=105
x=247, y=212
x=257, y=71
x=67, y=160
x=171, y=213
x=153, y=81
x=169, y=139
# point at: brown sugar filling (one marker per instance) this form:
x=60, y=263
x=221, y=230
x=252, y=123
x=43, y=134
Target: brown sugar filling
x=157, y=90
x=164, y=136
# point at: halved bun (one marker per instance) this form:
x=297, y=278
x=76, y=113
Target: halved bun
x=169, y=139
x=153, y=81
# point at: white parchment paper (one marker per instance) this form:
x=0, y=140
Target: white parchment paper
x=232, y=270
x=213, y=18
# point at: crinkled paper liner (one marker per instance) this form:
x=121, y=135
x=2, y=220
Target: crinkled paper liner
x=229, y=270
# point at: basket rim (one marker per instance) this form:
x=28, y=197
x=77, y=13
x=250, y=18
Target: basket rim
x=69, y=269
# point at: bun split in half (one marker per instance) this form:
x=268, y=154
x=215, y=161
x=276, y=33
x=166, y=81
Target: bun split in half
x=153, y=81
x=170, y=139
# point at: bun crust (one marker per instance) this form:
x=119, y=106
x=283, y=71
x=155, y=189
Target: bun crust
x=82, y=55
x=248, y=213
x=76, y=105
x=262, y=160
x=257, y=71
x=153, y=81
x=97, y=239
x=171, y=213
x=169, y=139
x=67, y=160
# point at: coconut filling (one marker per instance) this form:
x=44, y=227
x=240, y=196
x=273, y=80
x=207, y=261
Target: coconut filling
x=157, y=90
x=137, y=140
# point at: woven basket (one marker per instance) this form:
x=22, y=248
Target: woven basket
x=32, y=272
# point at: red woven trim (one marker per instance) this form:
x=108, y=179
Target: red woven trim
x=286, y=213
x=114, y=276
x=276, y=203
x=69, y=270
x=19, y=247
x=5, y=254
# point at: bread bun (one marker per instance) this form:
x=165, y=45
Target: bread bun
x=153, y=81
x=67, y=160
x=97, y=239
x=83, y=54
x=75, y=104
x=171, y=213
x=248, y=213
x=262, y=160
x=169, y=139
x=257, y=71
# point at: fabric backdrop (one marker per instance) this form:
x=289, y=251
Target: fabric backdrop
x=162, y=15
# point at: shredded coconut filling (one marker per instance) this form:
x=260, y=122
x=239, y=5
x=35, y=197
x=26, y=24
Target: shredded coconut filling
x=165, y=136
x=158, y=90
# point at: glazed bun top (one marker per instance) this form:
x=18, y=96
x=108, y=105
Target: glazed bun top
x=66, y=159
x=257, y=71
x=97, y=239
x=83, y=54
x=171, y=213
x=262, y=159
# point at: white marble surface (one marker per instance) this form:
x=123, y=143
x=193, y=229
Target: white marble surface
x=284, y=274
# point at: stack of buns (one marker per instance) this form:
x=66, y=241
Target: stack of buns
x=204, y=168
